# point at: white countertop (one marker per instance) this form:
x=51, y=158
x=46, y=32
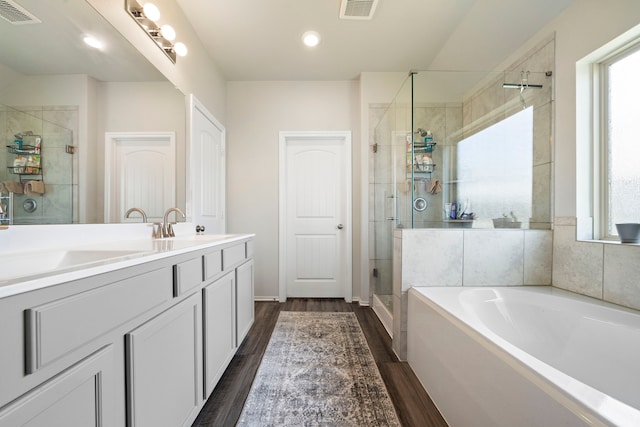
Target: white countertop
x=114, y=246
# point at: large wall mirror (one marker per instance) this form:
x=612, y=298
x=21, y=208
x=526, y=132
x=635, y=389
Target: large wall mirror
x=58, y=99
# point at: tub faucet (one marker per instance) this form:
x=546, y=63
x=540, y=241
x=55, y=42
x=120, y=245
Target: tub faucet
x=144, y=215
x=167, y=228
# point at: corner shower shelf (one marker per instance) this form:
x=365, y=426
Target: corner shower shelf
x=32, y=164
x=424, y=147
x=23, y=149
x=416, y=169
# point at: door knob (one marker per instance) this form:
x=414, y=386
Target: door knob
x=340, y=226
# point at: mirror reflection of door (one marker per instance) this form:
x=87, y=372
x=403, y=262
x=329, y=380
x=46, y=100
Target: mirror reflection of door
x=140, y=172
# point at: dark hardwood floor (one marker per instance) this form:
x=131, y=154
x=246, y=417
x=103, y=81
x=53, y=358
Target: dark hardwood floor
x=412, y=403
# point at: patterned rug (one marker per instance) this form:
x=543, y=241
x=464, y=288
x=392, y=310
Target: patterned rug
x=318, y=371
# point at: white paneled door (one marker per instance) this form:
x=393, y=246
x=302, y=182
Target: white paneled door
x=140, y=171
x=315, y=215
x=207, y=169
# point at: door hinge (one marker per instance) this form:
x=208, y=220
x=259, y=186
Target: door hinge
x=375, y=147
x=375, y=272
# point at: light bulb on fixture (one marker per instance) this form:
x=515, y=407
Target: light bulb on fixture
x=151, y=11
x=311, y=38
x=180, y=48
x=168, y=32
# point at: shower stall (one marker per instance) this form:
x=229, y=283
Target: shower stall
x=458, y=149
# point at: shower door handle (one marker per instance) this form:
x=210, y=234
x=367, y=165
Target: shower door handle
x=340, y=227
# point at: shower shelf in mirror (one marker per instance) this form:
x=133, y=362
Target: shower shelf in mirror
x=26, y=160
x=24, y=149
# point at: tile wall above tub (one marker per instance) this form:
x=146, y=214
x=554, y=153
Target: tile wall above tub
x=609, y=271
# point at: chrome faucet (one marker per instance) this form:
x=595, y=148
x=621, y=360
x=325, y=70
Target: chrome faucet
x=144, y=215
x=167, y=228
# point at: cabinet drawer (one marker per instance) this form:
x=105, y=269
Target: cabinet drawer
x=187, y=275
x=233, y=255
x=59, y=327
x=250, y=249
x=212, y=264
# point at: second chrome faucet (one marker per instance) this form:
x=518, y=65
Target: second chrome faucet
x=167, y=227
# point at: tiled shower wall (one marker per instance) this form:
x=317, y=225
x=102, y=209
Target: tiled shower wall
x=58, y=126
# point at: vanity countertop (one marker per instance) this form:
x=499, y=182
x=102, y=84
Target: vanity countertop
x=25, y=271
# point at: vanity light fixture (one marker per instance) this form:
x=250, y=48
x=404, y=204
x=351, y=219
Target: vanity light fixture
x=147, y=17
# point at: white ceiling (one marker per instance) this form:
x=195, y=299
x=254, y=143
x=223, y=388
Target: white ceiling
x=261, y=39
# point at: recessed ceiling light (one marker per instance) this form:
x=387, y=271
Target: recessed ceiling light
x=93, y=42
x=311, y=38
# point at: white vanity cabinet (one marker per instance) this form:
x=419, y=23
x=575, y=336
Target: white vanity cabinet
x=164, y=360
x=219, y=300
x=244, y=298
x=141, y=345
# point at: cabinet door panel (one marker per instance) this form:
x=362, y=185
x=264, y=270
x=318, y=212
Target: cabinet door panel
x=219, y=328
x=244, y=299
x=81, y=396
x=164, y=359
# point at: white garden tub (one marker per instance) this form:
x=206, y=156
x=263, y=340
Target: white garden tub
x=525, y=356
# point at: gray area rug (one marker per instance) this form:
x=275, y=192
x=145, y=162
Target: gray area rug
x=318, y=371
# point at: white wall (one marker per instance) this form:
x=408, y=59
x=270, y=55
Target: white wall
x=256, y=113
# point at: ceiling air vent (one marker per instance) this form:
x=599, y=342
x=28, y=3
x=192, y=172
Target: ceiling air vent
x=16, y=14
x=357, y=9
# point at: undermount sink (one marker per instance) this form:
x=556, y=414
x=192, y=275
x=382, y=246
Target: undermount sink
x=28, y=264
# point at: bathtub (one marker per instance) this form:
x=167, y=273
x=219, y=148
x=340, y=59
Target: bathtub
x=525, y=356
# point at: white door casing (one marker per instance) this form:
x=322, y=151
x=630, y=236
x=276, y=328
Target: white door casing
x=315, y=215
x=206, y=169
x=140, y=171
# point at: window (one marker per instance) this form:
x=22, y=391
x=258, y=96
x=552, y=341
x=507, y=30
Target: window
x=620, y=151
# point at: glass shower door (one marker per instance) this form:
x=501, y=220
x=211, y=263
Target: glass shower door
x=389, y=189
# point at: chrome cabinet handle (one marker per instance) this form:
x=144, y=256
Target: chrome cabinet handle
x=340, y=226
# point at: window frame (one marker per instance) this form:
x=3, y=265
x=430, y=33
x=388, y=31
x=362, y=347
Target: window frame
x=601, y=132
